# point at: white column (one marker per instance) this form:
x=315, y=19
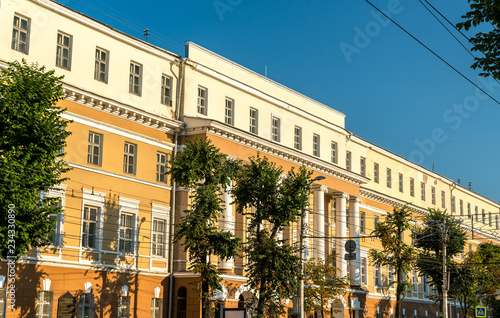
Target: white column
x=227, y=223
x=340, y=232
x=319, y=221
x=355, y=265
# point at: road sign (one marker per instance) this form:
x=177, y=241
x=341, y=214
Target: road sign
x=480, y=312
x=350, y=256
x=350, y=246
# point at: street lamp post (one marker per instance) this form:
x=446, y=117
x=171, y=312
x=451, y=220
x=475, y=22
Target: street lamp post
x=301, y=247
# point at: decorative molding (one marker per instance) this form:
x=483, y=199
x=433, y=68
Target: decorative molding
x=340, y=195
x=195, y=126
x=355, y=200
x=128, y=203
x=118, y=109
x=320, y=188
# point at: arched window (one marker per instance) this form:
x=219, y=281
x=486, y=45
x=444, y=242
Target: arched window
x=241, y=302
x=181, y=302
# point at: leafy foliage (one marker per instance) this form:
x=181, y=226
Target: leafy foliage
x=322, y=287
x=201, y=167
x=465, y=283
x=429, y=240
x=487, y=261
x=396, y=253
x=32, y=136
x=485, y=12
x=272, y=265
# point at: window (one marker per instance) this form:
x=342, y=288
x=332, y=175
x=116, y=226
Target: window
x=362, y=166
x=94, y=155
x=316, y=145
x=63, y=50
x=452, y=204
x=469, y=214
x=126, y=234
x=334, y=152
x=135, y=78
x=476, y=213
x=348, y=158
x=375, y=222
x=389, y=178
x=202, y=100
x=422, y=191
x=56, y=235
x=470, y=247
x=390, y=275
x=129, y=158
x=254, y=120
x=101, y=65
x=166, y=90
x=400, y=182
x=276, y=129
x=489, y=218
x=229, y=112
x=20, y=34
x=362, y=222
x=86, y=306
x=123, y=306
x=425, y=284
x=412, y=187
x=376, y=173
x=89, y=226
x=364, y=271
x=377, y=276
x=433, y=195
x=483, y=216
x=44, y=304
x=297, y=138
x=461, y=207
x=443, y=199
x=156, y=307
x=496, y=222
x=158, y=238
x=161, y=167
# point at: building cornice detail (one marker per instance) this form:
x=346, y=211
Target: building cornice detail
x=120, y=110
x=379, y=197
x=201, y=125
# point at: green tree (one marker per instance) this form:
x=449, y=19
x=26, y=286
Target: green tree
x=32, y=137
x=429, y=240
x=396, y=253
x=202, y=168
x=484, y=12
x=465, y=283
x=487, y=261
x=272, y=264
x=322, y=287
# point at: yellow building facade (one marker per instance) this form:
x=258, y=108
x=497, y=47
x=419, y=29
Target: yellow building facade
x=132, y=106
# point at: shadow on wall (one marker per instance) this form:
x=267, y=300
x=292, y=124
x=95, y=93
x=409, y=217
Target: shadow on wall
x=384, y=308
x=28, y=282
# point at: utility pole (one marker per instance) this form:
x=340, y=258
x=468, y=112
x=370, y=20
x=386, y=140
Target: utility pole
x=445, y=276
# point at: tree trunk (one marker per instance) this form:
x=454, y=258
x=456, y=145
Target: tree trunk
x=399, y=291
x=205, y=310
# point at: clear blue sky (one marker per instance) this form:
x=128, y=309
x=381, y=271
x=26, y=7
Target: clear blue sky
x=394, y=92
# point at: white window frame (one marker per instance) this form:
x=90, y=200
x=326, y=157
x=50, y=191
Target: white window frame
x=348, y=160
x=128, y=206
x=17, y=29
x=401, y=179
x=469, y=211
x=135, y=78
x=61, y=48
x=86, y=305
x=166, y=90
x=334, y=152
x=376, y=172
x=254, y=121
x=229, y=111
x=44, y=299
x=433, y=195
x=125, y=239
x=123, y=307
x=202, y=103
x=156, y=307
x=275, y=128
x=161, y=167
x=362, y=166
x=126, y=158
x=85, y=240
x=161, y=212
x=364, y=270
x=377, y=276
x=362, y=222
x=443, y=199
x=389, y=177
x=297, y=137
x=59, y=192
x=316, y=145
x=95, y=199
x=99, y=62
x=461, y=207
x=453, y=208
x=412, y=187
x=91, y=146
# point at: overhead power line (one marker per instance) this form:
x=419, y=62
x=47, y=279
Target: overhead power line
x=434, y=53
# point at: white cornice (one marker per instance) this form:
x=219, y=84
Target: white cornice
x=107, y=30
x=382, y=198
x=195, y=126
x=121, y=110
